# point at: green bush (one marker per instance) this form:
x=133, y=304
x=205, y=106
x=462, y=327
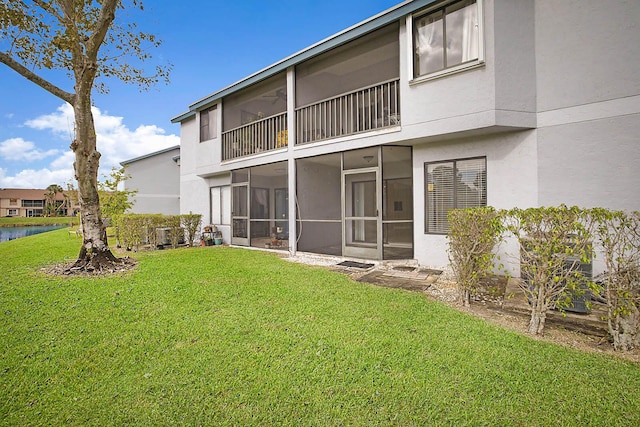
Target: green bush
x=191, y=224
x=554, y=241
x=135, y=230
x=473, y=235
x=619, y=236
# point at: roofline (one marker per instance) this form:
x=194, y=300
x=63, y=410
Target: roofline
x=358, y=30
x=146, y=156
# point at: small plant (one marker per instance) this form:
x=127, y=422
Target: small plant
x=191, y=224
x=473, y=235
x=176, y=232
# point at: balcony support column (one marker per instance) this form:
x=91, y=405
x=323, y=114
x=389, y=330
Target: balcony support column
x=291, y=161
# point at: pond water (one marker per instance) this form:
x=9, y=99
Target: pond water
x=10, y=233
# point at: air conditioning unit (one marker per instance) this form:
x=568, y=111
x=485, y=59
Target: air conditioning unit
x=163, y=235
x=580, y=299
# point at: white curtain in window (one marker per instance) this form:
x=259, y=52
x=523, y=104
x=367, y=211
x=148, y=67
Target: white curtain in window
x=470, y=37
x=430, y=44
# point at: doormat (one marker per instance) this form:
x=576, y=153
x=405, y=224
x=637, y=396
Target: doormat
x=355, y=264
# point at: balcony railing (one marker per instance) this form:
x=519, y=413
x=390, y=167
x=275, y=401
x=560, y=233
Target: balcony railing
x=262, y=135
x=364, y=110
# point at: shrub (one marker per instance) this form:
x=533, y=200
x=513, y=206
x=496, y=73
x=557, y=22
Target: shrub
x=191, y=223
x=472, y=236
x=619, y=235
x=553, y=243
x=176, y=233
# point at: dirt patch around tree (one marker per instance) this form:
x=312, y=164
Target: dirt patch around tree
x=69, y=269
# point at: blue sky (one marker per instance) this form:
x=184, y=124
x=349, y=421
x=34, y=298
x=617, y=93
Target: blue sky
x=211, y=44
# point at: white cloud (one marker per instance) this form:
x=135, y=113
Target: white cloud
x=17, y=149
x=115, y=142
x=30, y=178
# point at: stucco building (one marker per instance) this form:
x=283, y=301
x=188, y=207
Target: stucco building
x=156, y=179
x=28, y=202
x=360, y=144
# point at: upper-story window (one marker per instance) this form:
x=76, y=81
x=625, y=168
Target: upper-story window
x=447, y=38
x=208, y=123
x=13, y=202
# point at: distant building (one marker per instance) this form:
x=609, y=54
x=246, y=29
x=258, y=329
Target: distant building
x=33, y=202
x=156, y=178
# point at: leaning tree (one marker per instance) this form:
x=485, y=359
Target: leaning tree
x=83, y=39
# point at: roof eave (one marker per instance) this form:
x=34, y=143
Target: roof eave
x=146, y=156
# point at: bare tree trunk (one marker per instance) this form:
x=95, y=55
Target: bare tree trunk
x=466, y=298
x=538, y=314
x=625, y=330
x=95, y=252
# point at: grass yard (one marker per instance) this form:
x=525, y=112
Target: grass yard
x=18, y=221
x=222, y=336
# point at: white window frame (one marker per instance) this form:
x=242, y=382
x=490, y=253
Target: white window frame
x=479, y=62
x=220, y=205
x=12, y=212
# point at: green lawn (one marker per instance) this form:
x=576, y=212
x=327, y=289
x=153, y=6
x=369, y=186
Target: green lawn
x=219, y=336
x=22, y=221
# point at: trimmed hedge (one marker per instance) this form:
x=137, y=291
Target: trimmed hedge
x=135, y=230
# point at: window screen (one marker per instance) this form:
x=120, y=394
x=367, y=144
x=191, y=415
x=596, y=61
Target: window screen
x=208, y=123
x=454, y=184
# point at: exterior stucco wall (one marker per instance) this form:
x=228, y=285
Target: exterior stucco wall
x=591, y=164
x=511, y=181
x=194, y=190
x=586, y=51
x=157, y=182
x=513, y=55
x=588, y=79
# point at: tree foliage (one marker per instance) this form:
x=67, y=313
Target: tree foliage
x=473, y=236
x=113, y=199
x=51, y=205
x=619, y=236
x=82, y=39
x=554, y=241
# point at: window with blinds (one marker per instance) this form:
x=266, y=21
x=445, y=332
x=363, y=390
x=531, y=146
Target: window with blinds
x=453, y=184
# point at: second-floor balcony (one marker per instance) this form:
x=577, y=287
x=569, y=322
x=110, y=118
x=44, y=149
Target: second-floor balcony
x=371, y=108
x=364, y=110
x=266, y=134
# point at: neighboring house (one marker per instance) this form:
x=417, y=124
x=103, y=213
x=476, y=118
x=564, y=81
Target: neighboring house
x=359, y=145
x=156, y=178
x=33, y=202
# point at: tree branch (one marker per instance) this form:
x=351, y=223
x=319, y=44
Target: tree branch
x=107, y=15
x=30, y=75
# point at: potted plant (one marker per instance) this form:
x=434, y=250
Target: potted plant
x=217, y=237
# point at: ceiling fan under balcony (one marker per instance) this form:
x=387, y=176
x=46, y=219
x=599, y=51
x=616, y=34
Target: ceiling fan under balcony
x=279, y=95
